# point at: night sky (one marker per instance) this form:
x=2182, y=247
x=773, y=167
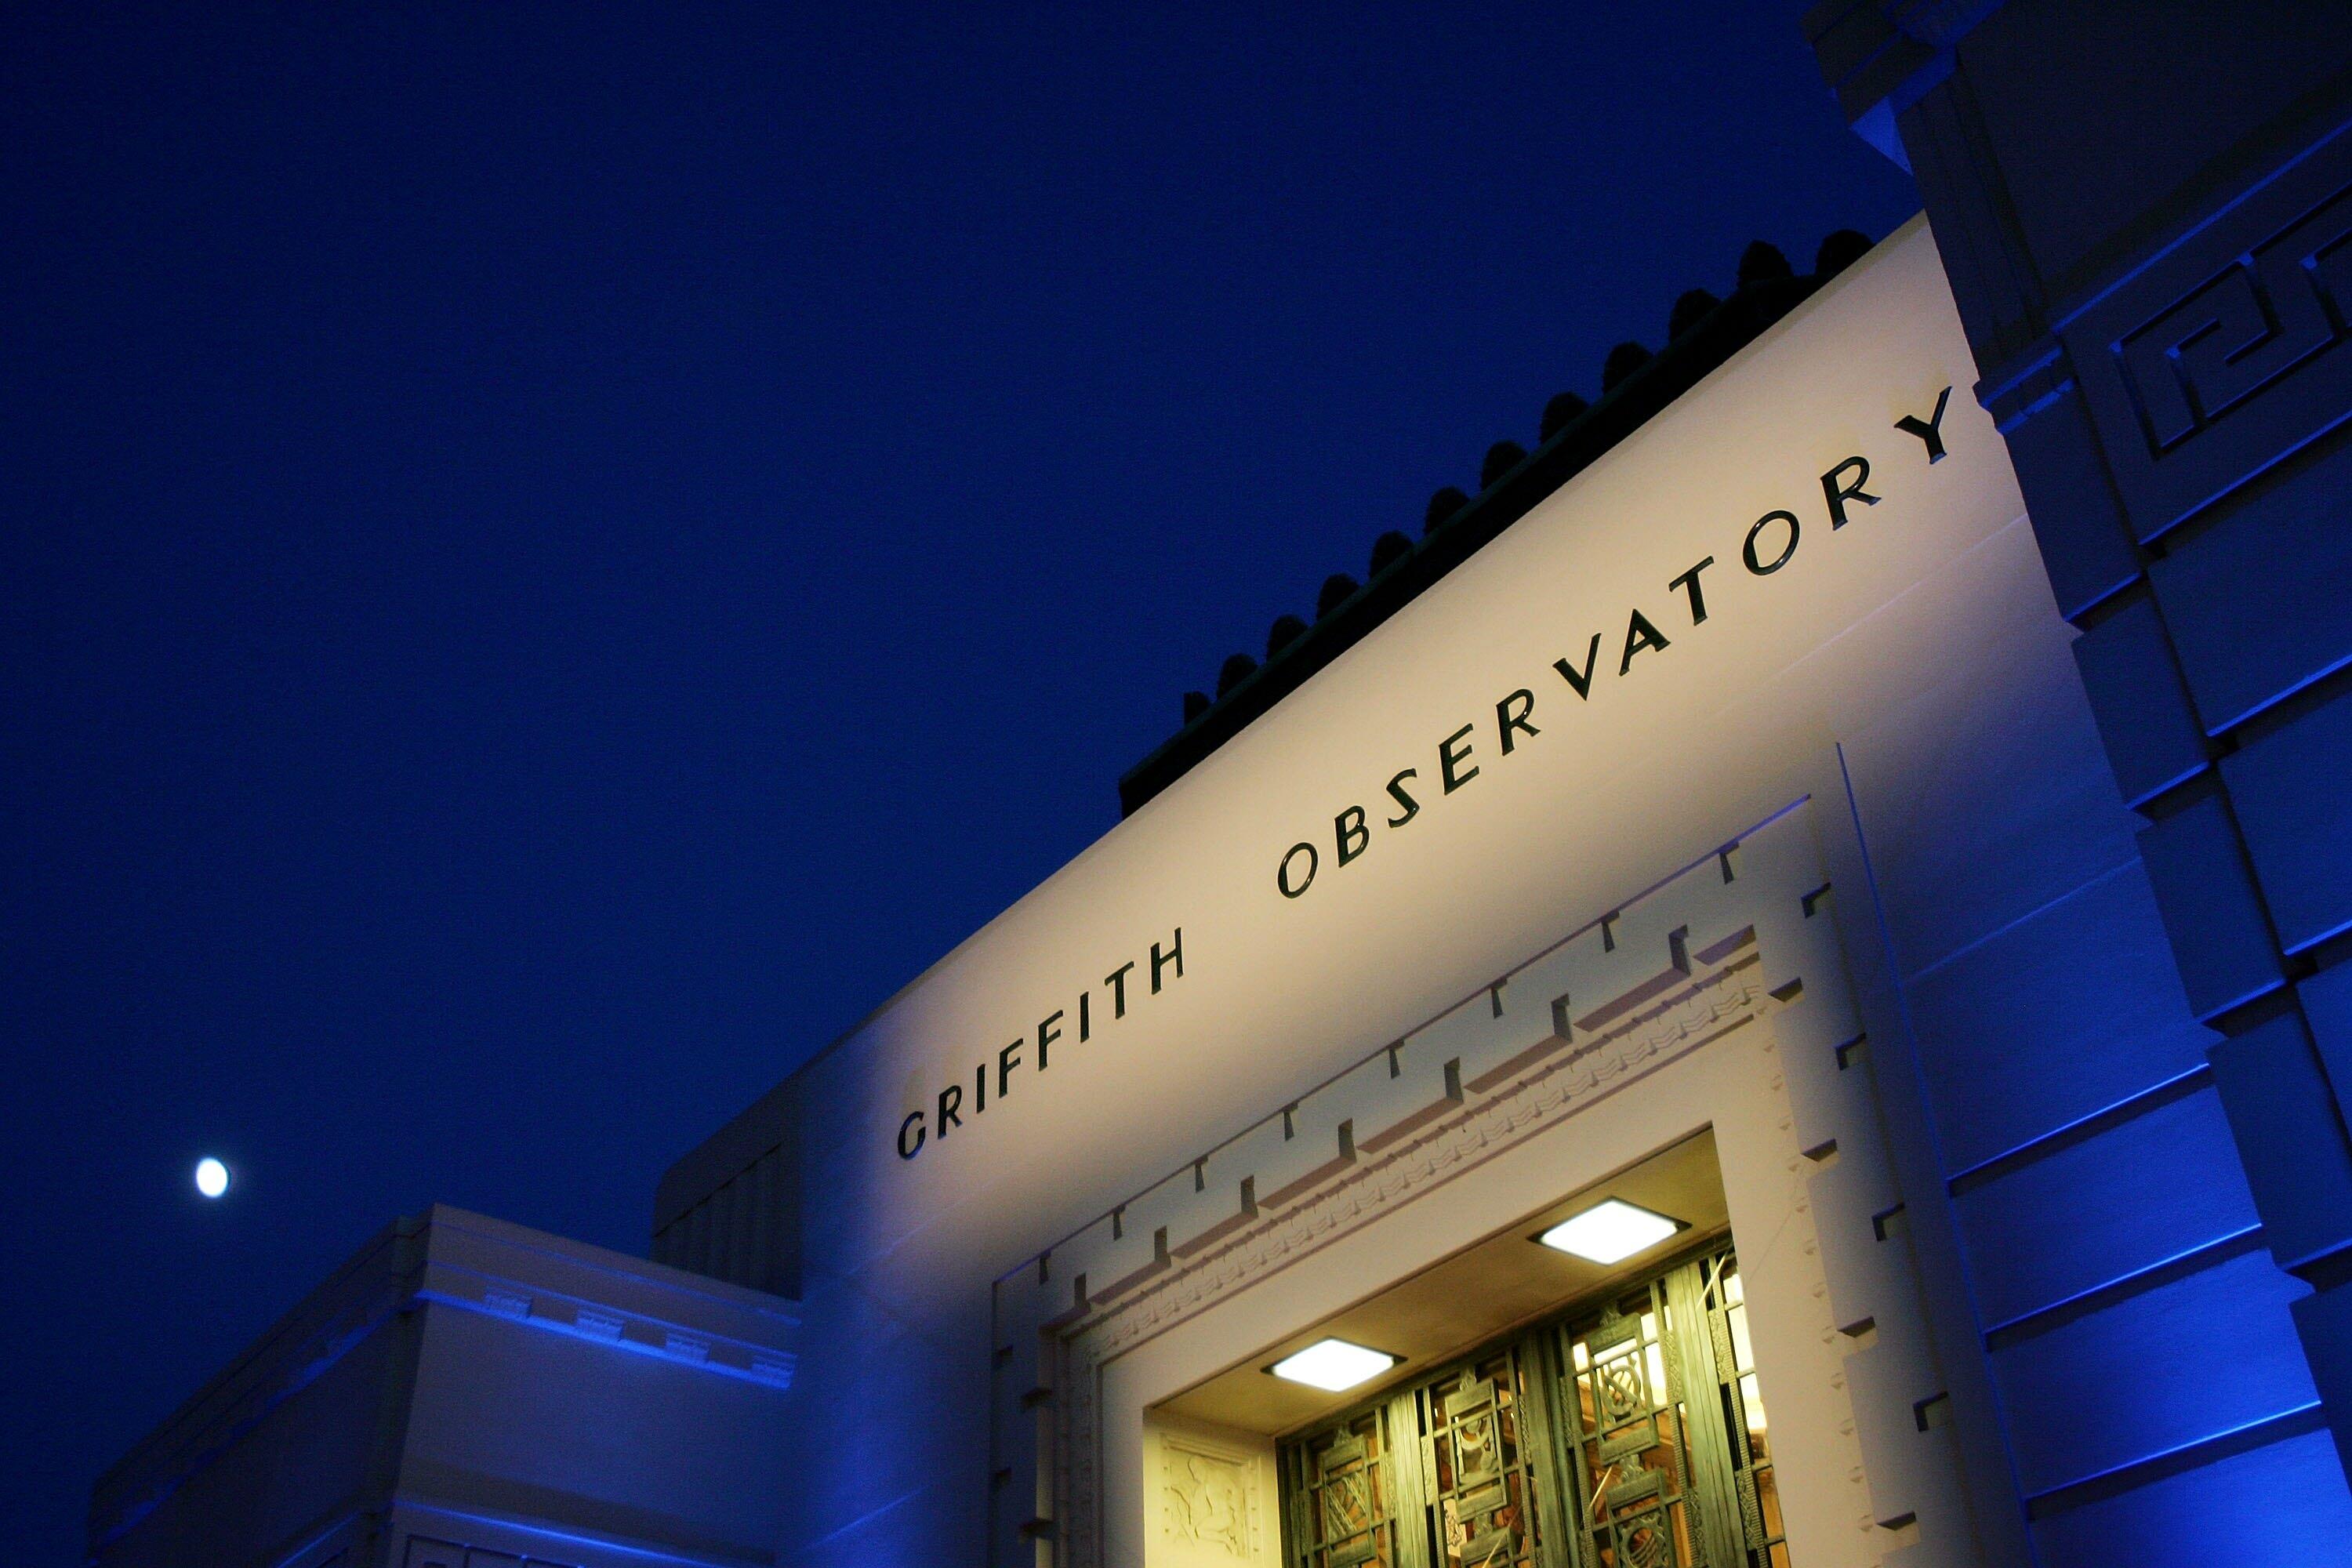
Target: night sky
x=554, y=557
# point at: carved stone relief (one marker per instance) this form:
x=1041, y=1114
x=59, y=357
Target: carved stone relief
x=1207, y=1499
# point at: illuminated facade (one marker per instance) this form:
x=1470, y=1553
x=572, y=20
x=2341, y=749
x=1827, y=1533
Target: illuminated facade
x=1768, y=993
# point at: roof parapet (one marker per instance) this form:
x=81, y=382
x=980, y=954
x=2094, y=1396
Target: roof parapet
x=1703, y=332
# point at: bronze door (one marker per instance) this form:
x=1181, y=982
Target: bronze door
x=1340, y=1489
x=1627, y=1434
x=1484, y=1430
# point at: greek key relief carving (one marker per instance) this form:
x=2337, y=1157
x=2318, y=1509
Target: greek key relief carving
x=2222, y=355
x=2275, y=307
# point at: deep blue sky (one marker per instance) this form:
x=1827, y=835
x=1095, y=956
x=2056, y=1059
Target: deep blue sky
x=554, y=557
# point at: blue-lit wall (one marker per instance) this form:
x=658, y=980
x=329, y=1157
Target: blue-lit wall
x=2144, y=213
x=2104, y=1297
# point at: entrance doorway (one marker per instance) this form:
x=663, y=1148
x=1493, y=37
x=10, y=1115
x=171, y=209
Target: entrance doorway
x=1627, y=1432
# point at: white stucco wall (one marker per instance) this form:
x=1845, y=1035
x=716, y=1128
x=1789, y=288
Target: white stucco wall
x=1931, y=597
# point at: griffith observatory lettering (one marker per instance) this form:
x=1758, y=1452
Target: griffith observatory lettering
x=1621, y=648
x=1002, y=1071
x=1648, y=633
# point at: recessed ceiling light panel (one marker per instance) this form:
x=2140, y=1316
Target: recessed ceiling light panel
x=1610, y=1232
x=1332, y=1365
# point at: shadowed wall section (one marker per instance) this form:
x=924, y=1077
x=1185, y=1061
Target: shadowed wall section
x=2144, y=212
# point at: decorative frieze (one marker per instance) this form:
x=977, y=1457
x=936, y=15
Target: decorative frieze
x=1743, y=940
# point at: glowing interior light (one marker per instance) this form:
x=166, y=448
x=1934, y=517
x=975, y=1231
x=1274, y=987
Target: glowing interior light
x=1333, y=1365
x=1610, y=1232
x=212, y=1177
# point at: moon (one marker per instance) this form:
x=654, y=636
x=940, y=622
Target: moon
x=212, y=1177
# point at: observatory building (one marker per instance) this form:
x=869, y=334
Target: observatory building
x=1766, y=989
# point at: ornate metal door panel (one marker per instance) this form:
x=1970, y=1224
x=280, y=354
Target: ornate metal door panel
x=1485, y=1439
x=1632, y=1438
x=1746, y=1440
x=1628, y=1424
x=1343, y=1495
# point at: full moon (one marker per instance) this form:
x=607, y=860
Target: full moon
x=212, y=1177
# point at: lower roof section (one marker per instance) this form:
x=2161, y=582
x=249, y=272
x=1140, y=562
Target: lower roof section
x=460, y=1366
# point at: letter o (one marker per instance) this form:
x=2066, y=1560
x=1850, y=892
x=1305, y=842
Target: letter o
x=1747, y=551
x=1282, y=872
x=915, y=1121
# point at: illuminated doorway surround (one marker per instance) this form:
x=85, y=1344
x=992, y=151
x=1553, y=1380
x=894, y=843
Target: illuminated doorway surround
x=1716, y=998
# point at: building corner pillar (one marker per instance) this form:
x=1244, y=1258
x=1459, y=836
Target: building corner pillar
x=2146, y=214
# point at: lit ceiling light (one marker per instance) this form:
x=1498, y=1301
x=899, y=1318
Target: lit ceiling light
x=212, y=1177
x=1610, y=1232
x=1332, y=1365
